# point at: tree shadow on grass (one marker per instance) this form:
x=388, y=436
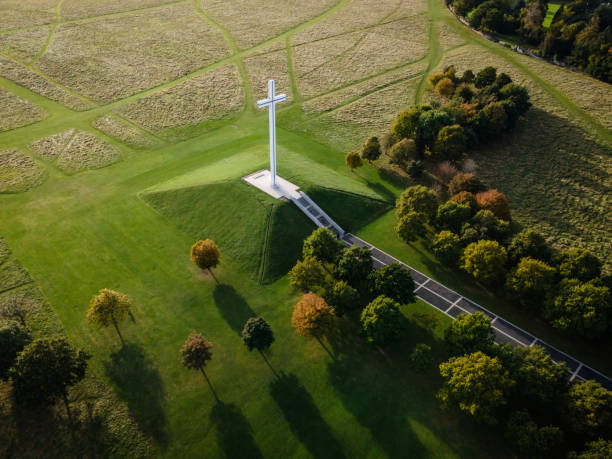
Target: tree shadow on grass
x=304, y=417
x=139, y=384
x=232, y=306
x=234, y=433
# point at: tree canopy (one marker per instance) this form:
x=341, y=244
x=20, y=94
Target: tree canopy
x=312, y=317
x=381, y=320
x=342, y=298
x=257, y=334
x=531, y=280
x=418, y=199
x=354, y=266
x=485, y=260
x=469, y=333
x=196, y=351
x=13, y=338
x=109, y=307
x=322, y=245
x=395, y=282
x=307, y=274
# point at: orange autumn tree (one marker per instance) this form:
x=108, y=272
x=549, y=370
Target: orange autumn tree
x=494, y=201
x=205, y=254
x=312, y=317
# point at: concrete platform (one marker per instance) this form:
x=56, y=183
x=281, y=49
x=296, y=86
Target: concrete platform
x=283, y=189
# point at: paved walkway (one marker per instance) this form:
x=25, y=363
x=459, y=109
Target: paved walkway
x=452, y=304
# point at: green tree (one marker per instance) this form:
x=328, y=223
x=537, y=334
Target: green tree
x=589, y=410
x=410, y=226
x=322, y=245
x=395, y=282
x=402, y=152
x=405, y=124
x=475, y=383
x=13, y=338
x=452, y=215
x=531, y=441
x=469, y=333
x=465, y=198
x=517, y=94
x=206, y=255
x=600, y=449
x=445, y=87
x=489, y=226
x=447, y=247
x=497, y=117
x=415, y=169
x=451, y=143
x=257, y=334
x=354, y=266
x=485, y=77
x=195, y=353
x=582, y=308
x=353, y=160
x=307, y=274
x=109, y=308
x=485, y=260
x=578, y=264
x=430, y=123
x=420, y=357
x=342, y=298
x=370, y=150
x=45, y=370
x=531, y=280
x=381, y=320
x=417, y=198
x=528, y=243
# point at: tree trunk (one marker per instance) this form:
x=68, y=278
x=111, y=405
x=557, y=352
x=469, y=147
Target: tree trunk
x=118, y=332
x=67, y=405
x=209, y=384
x=266, y=360
x=213, y=275
x=325, y=347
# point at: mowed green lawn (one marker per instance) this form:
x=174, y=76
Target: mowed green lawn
x=94, y=230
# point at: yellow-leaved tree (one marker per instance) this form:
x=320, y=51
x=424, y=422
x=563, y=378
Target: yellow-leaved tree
x=206, y=255
x=109, y=308
x=313, y=318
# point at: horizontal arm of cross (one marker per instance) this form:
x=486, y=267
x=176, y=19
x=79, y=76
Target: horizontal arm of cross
x=265, y=102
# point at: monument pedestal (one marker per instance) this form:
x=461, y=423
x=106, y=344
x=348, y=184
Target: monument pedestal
x=282, y=190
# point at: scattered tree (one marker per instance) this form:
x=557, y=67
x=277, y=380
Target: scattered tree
x=447, y=247
x=395, y=282
x=322, y=245
x=477, y=384
x=420, y=357
x=531, y=280
x=380, y=320
x=354, y=266
x=469, y=333
x=45, y=370
x=342, y=298
x=257, y=334
x=485, y=260
x=205, y=255
x=312, y=317
x=353, y=160
x=195, y=352
x=494, y=201
x=410, y=226
x=109, y=308
x=13, y=338
x=370, y=150
x=417, y=198
x=307, y=274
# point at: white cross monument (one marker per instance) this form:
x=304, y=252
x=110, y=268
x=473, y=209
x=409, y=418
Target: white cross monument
x=271, y=102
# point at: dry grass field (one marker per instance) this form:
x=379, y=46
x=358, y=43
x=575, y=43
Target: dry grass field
x=116, y=56
x=18, y=13
x=15, y=111
x=18, y=172
x=269, y=64
x=75, y=9
x=50, y=147
x=119, y=129
x=24, y=44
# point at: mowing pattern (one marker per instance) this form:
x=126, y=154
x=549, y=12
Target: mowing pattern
x=452, y=304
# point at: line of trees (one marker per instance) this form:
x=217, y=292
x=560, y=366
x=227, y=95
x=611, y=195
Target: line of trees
x=579, y=35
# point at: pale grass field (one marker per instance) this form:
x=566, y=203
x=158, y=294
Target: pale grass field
x=377, y=51
x=330, y=101
x=269, y=65
x=86, y=151
x=114, y=57
x=123, y=132
x=215, y=95
x=37, y=84
x=244, y=19
x=18, y=172
x=75, y=9
x=24, y=44
x=23, y=13
x=16, y=112
x=447, y=38
x=51, y=146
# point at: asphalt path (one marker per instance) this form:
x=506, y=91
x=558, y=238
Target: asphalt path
x=452, y=304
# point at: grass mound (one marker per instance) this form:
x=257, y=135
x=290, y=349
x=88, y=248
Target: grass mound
x=18, y=172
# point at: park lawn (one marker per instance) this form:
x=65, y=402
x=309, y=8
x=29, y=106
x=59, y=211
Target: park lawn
x=93, y=230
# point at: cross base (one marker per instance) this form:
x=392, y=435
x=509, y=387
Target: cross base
x=282, y=189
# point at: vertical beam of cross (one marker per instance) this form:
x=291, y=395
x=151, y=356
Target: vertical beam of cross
x=271, y=102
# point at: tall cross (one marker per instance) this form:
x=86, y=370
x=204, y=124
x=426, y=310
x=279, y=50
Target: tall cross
x=271, y=102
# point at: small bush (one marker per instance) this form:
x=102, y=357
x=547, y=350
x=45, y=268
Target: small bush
x=445, y=87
